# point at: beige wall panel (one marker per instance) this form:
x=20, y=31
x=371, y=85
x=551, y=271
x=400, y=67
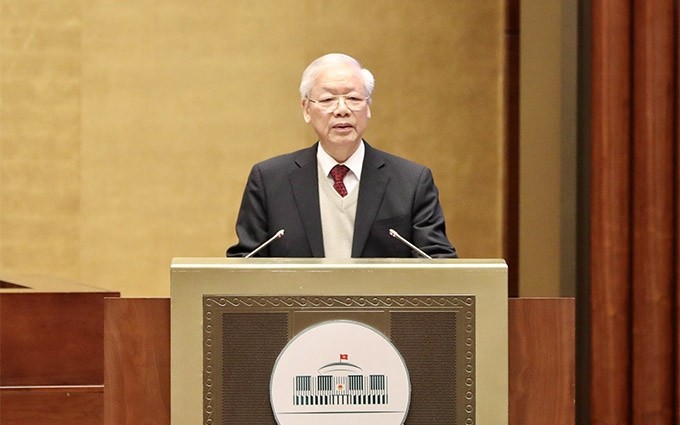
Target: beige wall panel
x=438, y=97
x=547, y=219
x=173, y=101
x=438, y=100
x=39, y=136
x=178, y=102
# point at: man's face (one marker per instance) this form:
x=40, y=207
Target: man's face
x=340, y=130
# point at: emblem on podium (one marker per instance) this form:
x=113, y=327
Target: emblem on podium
x=340, y=372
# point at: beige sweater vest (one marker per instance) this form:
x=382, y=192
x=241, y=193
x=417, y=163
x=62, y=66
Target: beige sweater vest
x=337, y=218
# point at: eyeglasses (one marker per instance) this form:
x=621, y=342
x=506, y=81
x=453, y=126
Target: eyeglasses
x=330, y=104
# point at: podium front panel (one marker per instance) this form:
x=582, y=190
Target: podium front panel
x=231, y=319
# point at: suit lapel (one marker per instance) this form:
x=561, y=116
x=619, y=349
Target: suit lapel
x=372, y=187
x=304, y=182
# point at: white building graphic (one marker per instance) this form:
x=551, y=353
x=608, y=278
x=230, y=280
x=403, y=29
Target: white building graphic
x=372, y=389
x=340, y=383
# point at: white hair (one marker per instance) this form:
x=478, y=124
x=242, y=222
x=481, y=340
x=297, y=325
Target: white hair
x=325, y=61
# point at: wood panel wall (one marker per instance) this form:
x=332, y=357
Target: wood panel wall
x=634, y=215
x=677, y=202
x=610, y=211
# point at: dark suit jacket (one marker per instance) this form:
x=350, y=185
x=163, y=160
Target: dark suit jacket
x=283, y=193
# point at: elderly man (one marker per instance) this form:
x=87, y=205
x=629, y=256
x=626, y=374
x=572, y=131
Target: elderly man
x=340, y=198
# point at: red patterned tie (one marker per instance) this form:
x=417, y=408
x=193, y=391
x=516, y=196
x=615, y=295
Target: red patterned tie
x=338, y=173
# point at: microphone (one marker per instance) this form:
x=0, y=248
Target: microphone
x=420, y=252
x=277, y=235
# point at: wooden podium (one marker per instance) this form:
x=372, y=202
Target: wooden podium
x=51, y=351
x=540, y=356
x=541, y=361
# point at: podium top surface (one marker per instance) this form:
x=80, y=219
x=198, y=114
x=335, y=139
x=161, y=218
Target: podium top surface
x=316, y=263
x=320, y=276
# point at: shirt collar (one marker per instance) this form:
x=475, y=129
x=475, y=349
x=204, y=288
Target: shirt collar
x=355, y=162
